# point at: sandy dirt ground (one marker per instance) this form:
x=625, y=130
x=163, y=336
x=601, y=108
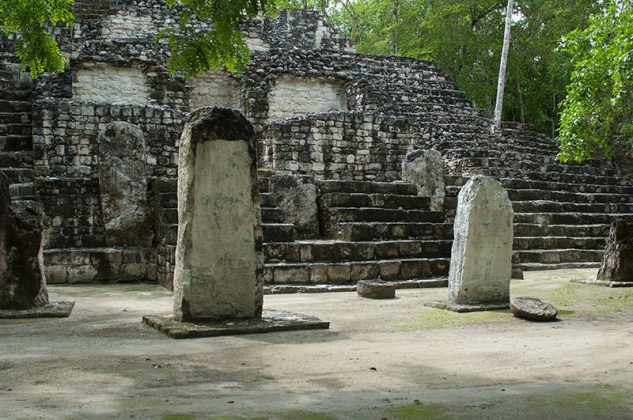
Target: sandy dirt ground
x=394, y=359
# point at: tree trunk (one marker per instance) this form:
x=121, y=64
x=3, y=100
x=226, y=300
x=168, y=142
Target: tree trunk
x=502, y=67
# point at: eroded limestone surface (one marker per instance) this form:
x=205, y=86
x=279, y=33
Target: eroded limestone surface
x=617, y=264
x=22, y=279
x=218, y=256
x=481, y=261
x=123, y=185
x=424, y=169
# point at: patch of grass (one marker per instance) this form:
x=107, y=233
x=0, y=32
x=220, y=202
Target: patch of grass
x=418, y=411
x=574, y=300
x=305, y=415
x=437, y=318
x=179, y=417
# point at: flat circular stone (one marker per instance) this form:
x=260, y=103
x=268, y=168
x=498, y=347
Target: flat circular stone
x=375, y=289
x=533, y=309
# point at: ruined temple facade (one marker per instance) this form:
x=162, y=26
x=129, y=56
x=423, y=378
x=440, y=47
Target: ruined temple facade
x=98, y=147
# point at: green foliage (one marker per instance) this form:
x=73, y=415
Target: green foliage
x=29, y=21
x=464, y=38
x=195, y=51
x=597, y=114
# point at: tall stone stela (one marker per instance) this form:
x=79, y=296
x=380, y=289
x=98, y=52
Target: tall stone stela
x=219, y=259
x=481, y=259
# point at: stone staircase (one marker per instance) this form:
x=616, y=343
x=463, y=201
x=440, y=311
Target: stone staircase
x=16, y=143
x=562, y=211
x=371, y=230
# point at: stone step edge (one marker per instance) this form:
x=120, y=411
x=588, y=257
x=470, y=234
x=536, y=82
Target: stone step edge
x=555, y=266
x=355, y=262
x=425, y=283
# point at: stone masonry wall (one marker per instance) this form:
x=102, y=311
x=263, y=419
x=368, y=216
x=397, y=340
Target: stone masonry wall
x=341, y=146
x=65, y=136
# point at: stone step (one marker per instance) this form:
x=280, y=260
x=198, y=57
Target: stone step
x=22, y=191
x=8, y=105
x=17, y=159
x=170, y=215
x=22, y=118
x=15, y=143
x=570, y=178
x=272, y=215
x=264, y=184
x=13, y=94
x=514, y=183
x=557, y=256
x=373, y=231
x=278, y=232
x=168, y=200
x=352, y=272
x=334, y=215
x=396, y=188
x=388, y=201
x=19, y=175
x=15, y=129
x=269, y=215
x=547, y=206
x=554, y=266
x=573, y=230
x=426, y=107
x=170, y=234
x=566, y=218
x=557, y=242
x=567, y=196
x=338, y=251
x=268, y=200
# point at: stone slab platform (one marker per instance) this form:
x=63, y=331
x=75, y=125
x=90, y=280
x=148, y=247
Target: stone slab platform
x=465, y=308
x=52, y=310
x=603, y=283
x=272, y=320
x=400, y=284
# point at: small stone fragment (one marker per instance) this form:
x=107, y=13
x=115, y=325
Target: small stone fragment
x=375, y=289
x=533, y=309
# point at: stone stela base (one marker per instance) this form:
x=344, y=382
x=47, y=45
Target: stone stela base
x=604, y=283
x=51, y=310
x=271, y=321
x=455, y=307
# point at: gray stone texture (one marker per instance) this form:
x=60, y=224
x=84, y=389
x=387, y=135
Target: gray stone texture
x=298, y=199
x=617, y=263
x=533, y=309
x=219, y=259
x=22, y=279
x=375, y=289
x=481, y=259
x=424, y=168
x=124, y=186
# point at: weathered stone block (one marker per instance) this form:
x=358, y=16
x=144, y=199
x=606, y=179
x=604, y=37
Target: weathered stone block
x=219, y=258
x=298, y=200
x=123, y=185
x=617, y=263
x=375, y=289
x=481, y=259
x=533, y=309
x=424, y=168
x=22, y=277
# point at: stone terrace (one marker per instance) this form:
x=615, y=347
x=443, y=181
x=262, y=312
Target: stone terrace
x=340, y=122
